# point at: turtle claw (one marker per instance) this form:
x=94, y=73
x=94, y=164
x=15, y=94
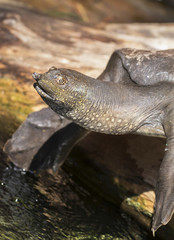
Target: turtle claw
x=164, y=207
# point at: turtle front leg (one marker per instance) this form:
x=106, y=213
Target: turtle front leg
x=56, y=149
x=164, y=203
x=115, y=71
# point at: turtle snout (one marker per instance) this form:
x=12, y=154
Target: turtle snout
x=36, y=76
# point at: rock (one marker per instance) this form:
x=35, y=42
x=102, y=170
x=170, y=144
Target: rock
x=30, y=136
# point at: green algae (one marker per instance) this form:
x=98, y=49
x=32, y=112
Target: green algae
x=138, y=203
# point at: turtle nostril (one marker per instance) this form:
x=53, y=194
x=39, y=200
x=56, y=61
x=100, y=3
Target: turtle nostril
x=36, y=76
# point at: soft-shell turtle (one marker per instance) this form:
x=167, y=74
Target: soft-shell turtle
x=134, y=94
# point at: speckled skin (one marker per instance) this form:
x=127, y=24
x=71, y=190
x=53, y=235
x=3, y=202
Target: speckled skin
x=134, y=94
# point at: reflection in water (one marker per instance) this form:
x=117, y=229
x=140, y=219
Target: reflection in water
x=57, y=207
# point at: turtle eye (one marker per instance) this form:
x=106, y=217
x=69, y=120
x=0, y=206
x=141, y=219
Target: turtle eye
x=61, y=80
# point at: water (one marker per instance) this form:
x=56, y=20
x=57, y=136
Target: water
x=58, y=207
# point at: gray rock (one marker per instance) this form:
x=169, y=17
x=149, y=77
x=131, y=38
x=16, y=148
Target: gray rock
x=31, y=135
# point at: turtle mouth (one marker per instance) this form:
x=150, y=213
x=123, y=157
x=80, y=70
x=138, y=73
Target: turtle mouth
x=39, y=88
x=42, y=92
x=56, y=105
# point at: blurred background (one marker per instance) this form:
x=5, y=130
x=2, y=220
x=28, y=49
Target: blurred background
x=96, y=12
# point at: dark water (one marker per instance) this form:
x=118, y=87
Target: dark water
x=58, y=207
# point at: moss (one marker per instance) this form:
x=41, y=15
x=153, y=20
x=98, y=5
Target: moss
x=8, y=124
x=138, y=203
x=15, y=105
x=14, y=99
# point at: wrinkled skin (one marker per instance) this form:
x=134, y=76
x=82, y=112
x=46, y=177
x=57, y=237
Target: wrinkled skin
x=134, y=94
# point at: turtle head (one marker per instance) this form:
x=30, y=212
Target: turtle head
x=62, y=89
